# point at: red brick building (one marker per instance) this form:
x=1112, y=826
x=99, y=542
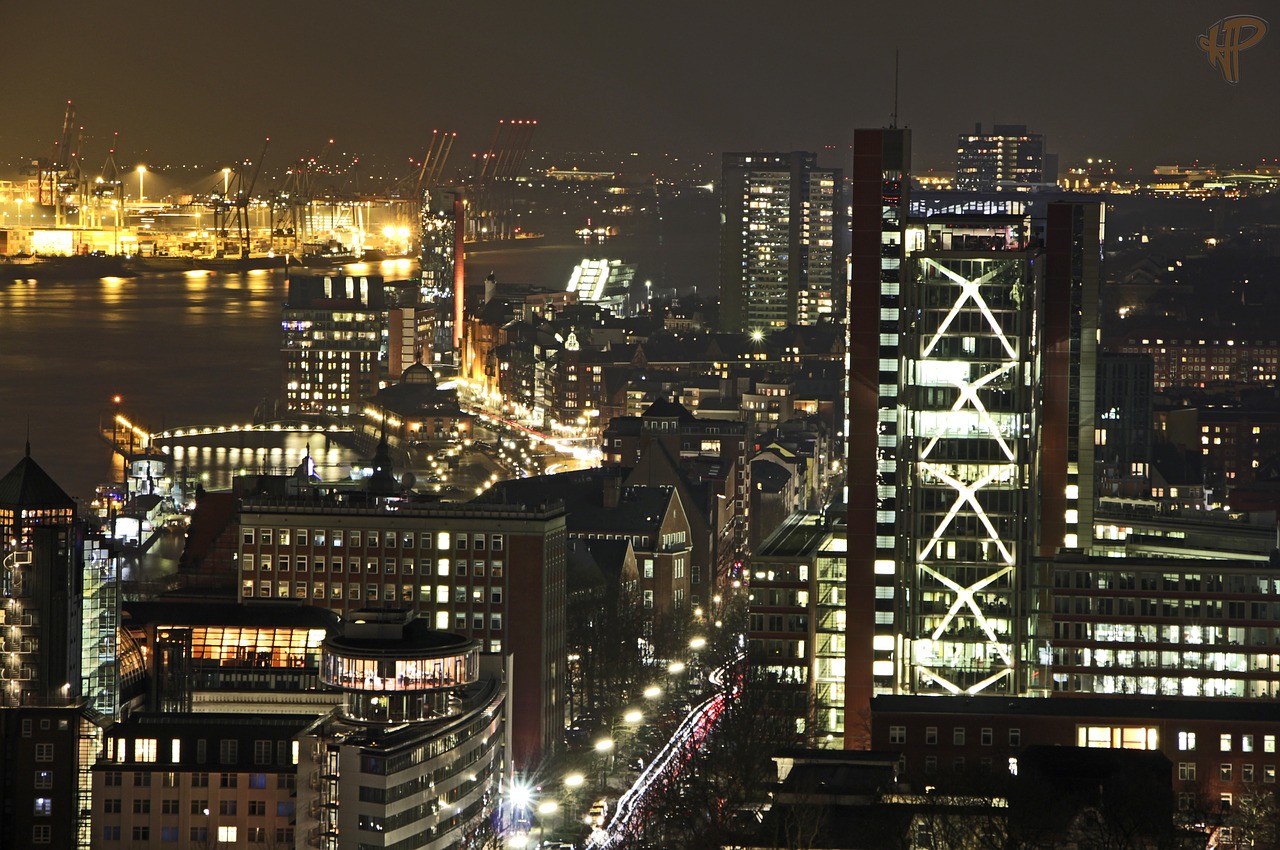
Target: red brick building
x=1220, y=749
x=461, y=567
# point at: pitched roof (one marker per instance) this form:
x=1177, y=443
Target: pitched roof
x=641, y=509
x=28, y=486
x=668, y=409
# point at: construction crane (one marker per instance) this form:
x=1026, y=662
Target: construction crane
x=231, y=209
x=494, y=173
x=55, y=168
x=244, y=197
x=434, y=161
x=291, y=204
x=109, y=188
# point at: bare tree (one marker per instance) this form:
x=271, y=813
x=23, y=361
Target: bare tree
x=721, y=788
x=1255, y=820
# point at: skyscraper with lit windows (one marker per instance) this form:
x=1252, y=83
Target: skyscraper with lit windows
x=781, y=231
x=1007, y=159
x=970, y=410
x=332, y=329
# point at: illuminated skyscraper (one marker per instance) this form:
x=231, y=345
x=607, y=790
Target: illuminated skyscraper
x=58, y=621
x=781, y=228
x=971, y=346
x=332, y=327
x=1006, y=159
x=443, y=224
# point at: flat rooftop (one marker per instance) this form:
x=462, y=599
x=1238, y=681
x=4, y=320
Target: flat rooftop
x=799, y=536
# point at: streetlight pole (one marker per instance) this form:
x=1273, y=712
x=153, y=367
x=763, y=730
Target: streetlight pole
x=604, y=752
x=572, y=783
x=142, y=170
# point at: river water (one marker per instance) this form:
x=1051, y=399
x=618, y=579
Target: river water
x=179, y=349
x=184, y=349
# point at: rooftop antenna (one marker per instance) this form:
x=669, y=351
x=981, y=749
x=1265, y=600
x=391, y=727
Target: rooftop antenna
x=893, y=119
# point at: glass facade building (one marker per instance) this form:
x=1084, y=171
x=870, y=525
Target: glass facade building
x=967, y=446
x=781, y=242
x=416, y=755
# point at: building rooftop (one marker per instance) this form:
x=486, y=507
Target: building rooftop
x=799, y=536
x=264, y=615
x=1145, y=708
x=28, y=485
x=394, y=631
x=640, y=509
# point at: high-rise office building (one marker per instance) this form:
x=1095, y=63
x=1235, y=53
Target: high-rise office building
x=58, y=627
x=1006, y=159
x=880, y=194
x=781, y=261
x=442, y=227
x=495, y=573
x=332, y=327
x=970, y=392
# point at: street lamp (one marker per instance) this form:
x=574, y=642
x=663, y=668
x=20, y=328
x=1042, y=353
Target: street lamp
x=604, y=752
x=572, y=783
x=546, y=807
x=652, y=692
x=142, y=170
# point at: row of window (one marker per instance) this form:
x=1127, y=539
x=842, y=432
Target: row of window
x=146, y=750
x=372, y=592
x=45, y=722
x=256, y=808
x=1173, y=581
x=1102, y=736
x=441, y=540
x=1126, y=606
x=198, y=835
x=460, y=594
x=1227, y=741
x=249, y=563
x=1226, y=772
x=169, y=779
x=986, y=736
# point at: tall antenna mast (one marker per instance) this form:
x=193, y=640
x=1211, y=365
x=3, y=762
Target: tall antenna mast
x=893, y=119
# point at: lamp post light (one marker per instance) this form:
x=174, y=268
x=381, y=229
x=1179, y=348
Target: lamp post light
x=545, y=808
x=604, y=755
x=572, y=784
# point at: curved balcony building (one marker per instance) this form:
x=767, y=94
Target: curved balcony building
x=415, y=755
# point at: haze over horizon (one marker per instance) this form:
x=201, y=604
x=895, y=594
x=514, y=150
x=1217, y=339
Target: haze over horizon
x=1125, y=81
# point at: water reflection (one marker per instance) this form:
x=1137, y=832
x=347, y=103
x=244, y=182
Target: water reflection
x=214, y=460
x=175, y=349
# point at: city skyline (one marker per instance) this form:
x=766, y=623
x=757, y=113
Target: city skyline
x=1104, y=81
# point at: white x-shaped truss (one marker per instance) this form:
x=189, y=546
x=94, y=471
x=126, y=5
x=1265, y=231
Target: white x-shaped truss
x=976, y=687
x=969, y=291
x=969, y=395
x=967, y=494
x=964, y=598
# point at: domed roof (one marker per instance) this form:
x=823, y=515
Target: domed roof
x=418, y=374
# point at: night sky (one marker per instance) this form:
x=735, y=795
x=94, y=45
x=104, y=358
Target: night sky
x=200, y=82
